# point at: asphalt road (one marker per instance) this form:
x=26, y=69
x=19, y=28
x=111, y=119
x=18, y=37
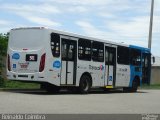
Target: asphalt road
x=144, y=101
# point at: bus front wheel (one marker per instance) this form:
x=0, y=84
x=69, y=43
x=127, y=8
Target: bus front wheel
x=85, y=84
x=133, y=88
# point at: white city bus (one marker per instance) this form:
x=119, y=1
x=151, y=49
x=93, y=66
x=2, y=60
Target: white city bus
x=59, y=59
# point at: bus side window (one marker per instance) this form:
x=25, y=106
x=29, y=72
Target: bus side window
x=64, y=51
x=135, y=57
x=111, y=59
x=97, y=51
x=70, y=52
x=84, y=49
x=107, y=57
x=123, y=55
x=55, y=44
x=146, y=62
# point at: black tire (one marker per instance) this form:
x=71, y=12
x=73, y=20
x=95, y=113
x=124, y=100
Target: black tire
x=133, y=88
x=50, y=88
x=85, y=84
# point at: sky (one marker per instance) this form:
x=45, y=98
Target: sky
x=121, y=21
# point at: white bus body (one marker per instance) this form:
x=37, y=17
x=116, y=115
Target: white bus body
x=35, y=56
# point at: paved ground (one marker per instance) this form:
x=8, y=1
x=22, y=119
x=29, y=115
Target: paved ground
x=145, y=101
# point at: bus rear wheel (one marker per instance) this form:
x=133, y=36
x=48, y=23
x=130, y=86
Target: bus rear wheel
x=85, y=84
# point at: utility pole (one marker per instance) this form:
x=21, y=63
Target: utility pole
x=151, y=25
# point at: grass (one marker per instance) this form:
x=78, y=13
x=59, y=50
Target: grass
x=19, y=85
x=154, y=86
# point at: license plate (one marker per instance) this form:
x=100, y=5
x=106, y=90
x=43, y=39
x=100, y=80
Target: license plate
x=31, y=57
x=24, y=65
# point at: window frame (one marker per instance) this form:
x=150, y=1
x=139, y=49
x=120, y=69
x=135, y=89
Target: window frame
x=70, y=46
x=99, y=47
x=123, y=55
x=84, y=46
x=54, y=39
x=135, y=54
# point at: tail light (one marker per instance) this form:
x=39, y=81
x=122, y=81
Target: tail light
x=42, y=62
x=9, y=63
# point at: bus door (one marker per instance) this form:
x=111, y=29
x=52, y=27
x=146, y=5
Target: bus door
x=146, y=68
x=69, y=61
x=110, y=66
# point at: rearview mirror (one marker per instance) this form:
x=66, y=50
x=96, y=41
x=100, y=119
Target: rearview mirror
x=153, y=60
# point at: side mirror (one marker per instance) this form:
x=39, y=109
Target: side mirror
x=153, y=59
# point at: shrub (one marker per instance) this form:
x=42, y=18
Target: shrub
x=2, y=82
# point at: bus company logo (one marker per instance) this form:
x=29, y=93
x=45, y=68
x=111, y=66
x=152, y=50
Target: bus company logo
x=96, y=68
x=24, y=65
x=56, y=64
x=101, y=67
x=16, y=56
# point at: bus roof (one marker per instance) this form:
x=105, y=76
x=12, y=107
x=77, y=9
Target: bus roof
x=143, y=49
x=71, y=35
x=81, y=36
x=21, y=28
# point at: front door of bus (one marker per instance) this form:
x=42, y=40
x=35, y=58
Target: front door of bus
x=68, y=53
x=146, y=68
x=110, y=65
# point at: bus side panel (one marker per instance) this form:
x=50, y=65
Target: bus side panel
x=95, y=69
x=135, y=71
x=53, y=64
x=53, y=73
x=122, y=75
x=82, y=67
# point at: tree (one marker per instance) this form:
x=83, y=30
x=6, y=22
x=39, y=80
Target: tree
x=3, y=43
x=3, y=52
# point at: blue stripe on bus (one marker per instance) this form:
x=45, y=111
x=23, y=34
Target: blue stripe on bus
x=144, y=50
x=133, y=73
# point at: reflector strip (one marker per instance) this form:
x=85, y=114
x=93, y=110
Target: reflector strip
x=109, y=86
